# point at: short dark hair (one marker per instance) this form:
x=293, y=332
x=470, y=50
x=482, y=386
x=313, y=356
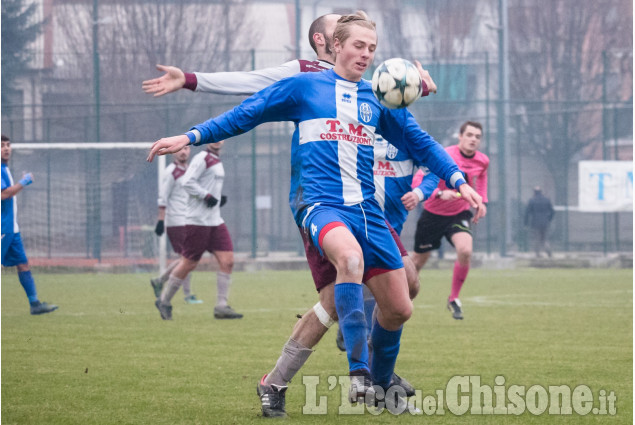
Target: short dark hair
x=317, y=26
x=470, y=123
x=5, y=138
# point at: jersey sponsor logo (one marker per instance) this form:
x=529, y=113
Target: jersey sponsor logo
x=335, y=130
x=365, y=112
x=346, y=98
x=384, y=168
x=391, y=152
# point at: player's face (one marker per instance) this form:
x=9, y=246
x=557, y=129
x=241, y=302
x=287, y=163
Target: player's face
x=470, y=140
x=329, y=28
x=182, y=155
x=355, y=55
x=6, y=151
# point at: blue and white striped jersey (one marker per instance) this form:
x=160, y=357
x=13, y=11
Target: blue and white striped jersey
x=9, y=206
x=332, y=147
x=393, y=171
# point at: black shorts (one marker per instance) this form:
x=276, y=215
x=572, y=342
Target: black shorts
x=432, y=227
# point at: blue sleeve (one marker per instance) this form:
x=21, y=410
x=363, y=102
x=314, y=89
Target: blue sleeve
x=399, y=127
x=429, y=182
x=277, y=102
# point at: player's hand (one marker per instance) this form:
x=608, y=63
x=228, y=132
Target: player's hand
x=168, y=145
x=26, y=179
x=171, y=81
x=474, y=199
x=410, y=201
x=425, y=76
x=160, y=228
x=210, y=201
x=223, y=200
x=448, y=195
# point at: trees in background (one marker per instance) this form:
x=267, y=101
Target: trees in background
x=20, y=28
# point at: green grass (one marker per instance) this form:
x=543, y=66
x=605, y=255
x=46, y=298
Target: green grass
x=106, y=357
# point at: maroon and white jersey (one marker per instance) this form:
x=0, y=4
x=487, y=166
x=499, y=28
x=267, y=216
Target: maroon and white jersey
x=250, y=82
x=172, y=196
x=204, y=176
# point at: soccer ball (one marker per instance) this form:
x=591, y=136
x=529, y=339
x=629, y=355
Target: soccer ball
x=396, y=83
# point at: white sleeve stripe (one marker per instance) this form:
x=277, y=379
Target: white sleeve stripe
x=456, y=177
x=197, y=135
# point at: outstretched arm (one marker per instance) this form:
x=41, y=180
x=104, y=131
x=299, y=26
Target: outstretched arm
x=168, y=145
x=474, y=199
x=277, y=102
x=171, y=81
x=227, y=83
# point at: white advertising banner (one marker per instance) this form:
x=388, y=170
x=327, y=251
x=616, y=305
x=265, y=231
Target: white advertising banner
x=605, y=186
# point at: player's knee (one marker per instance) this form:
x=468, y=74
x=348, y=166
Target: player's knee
x=464, y=256
x=226, y=265
x=402, y=314
x=351, y=264
x=23, y=267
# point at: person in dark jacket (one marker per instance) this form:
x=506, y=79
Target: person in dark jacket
x=538, y=215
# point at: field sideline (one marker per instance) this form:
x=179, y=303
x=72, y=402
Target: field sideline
x=106, y=357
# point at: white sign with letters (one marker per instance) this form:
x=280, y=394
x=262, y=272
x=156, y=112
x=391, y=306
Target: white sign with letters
x=605, y=186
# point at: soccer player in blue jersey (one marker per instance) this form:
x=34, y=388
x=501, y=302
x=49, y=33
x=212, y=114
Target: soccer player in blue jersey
x=316, y=321
x=332, y=192
x=12, y=249
x=393, y=173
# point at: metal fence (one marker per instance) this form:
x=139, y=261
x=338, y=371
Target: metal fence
x=104, y=204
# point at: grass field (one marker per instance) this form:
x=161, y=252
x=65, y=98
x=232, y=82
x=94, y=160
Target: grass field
x=106, y=357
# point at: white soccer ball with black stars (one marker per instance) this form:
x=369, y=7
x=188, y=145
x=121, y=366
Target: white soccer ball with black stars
x=396, y=83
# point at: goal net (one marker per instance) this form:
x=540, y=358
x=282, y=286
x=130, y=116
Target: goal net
x=89, y=202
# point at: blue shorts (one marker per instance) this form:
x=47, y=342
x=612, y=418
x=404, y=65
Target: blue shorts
x=367, y=223
x=12, y=250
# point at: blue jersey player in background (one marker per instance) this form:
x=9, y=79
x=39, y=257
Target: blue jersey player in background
x=393, y=173
x=332, y=197
x=12, y=249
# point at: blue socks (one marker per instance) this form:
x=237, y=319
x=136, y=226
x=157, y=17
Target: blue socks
x=385, y=350
x=349, y=303
x=27, y=282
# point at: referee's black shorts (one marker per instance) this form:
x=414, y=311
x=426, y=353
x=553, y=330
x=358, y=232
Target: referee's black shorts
x=432, y=227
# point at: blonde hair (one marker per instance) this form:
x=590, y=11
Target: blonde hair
x=343, y=28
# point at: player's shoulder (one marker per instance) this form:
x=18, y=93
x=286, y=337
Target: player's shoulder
x=305, y=65
x=481, y=157
x=199, y=156
x=452, y=149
